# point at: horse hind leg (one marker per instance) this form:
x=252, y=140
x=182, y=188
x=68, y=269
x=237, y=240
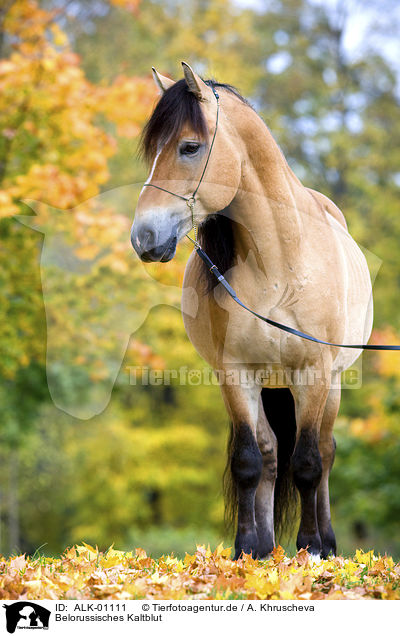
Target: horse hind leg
x=279, y=408
x=276, y=498
x=264, y=502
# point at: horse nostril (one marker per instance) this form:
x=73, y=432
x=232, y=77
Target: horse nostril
x=143, y=239
x=146, y=238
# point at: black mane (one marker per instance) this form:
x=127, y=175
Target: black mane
x=177, y=107
x=215, y=236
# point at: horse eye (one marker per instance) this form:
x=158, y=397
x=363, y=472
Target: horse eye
x=189, y=148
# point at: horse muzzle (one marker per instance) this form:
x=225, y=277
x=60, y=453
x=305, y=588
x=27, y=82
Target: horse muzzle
x=144, y=244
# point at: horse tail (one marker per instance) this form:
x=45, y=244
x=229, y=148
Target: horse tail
x=280, y=412
x=229, y=487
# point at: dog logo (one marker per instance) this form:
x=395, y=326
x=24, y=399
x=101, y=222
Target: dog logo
x=26, y=615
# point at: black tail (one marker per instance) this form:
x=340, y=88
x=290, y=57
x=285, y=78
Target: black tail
x=280, y=412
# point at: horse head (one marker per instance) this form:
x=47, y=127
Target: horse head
x=177, y=143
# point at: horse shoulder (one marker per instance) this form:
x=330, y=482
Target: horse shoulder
x=200, y=312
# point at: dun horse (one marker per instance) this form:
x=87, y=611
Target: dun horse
x=286, y=251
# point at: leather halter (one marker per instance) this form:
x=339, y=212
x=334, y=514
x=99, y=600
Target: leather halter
x=190, y=201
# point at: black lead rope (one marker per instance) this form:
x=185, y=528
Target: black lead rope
x=214, y=270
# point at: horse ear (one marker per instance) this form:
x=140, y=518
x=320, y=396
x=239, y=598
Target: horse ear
x=163, y=83
x=194, y=83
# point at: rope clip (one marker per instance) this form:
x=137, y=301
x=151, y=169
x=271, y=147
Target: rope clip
x=190, y=202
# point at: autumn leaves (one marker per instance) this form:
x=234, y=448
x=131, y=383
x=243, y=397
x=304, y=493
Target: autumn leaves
x=83, y=572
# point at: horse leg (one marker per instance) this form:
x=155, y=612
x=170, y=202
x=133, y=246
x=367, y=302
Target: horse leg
x=327, y=450
x=264, y=502
x=246, y=462
x=306, y=462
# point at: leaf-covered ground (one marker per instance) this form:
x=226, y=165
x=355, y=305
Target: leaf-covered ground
x=83, y=572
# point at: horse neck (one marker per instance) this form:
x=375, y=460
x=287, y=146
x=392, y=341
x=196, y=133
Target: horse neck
x=268, y=203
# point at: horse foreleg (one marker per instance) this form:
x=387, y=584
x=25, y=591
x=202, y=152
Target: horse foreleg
x=307, y=463
x=245, y=462
x=327, y=450
x=264, y=503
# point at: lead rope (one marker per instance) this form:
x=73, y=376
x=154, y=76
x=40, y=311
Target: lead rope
x=190, y=202
x=214, y=270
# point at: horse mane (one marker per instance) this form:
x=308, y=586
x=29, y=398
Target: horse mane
x=176, y=108
x=215, y=235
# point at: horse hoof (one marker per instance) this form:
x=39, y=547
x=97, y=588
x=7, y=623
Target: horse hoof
x=311, y=543
x=247, y=544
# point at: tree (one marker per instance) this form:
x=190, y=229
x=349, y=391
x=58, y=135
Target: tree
x=336, y=117
x=54, y=149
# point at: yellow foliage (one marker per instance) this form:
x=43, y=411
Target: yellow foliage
x=84, y=572
x=44, y=95
x=387, y=363
x=55, y=151
x=364, y=557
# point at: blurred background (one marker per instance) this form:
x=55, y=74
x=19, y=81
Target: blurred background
x=75, y=92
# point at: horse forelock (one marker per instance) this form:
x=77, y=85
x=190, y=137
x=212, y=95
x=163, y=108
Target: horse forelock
x=176, y=108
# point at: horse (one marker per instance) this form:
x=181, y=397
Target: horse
x=286, y=250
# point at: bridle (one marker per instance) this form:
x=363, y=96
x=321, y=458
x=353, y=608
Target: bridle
x=190, y=202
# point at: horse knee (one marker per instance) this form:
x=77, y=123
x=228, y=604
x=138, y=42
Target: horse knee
x=306, y=461
x=246, y=460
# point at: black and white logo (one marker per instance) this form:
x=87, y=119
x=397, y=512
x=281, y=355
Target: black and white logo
x=26, y=615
